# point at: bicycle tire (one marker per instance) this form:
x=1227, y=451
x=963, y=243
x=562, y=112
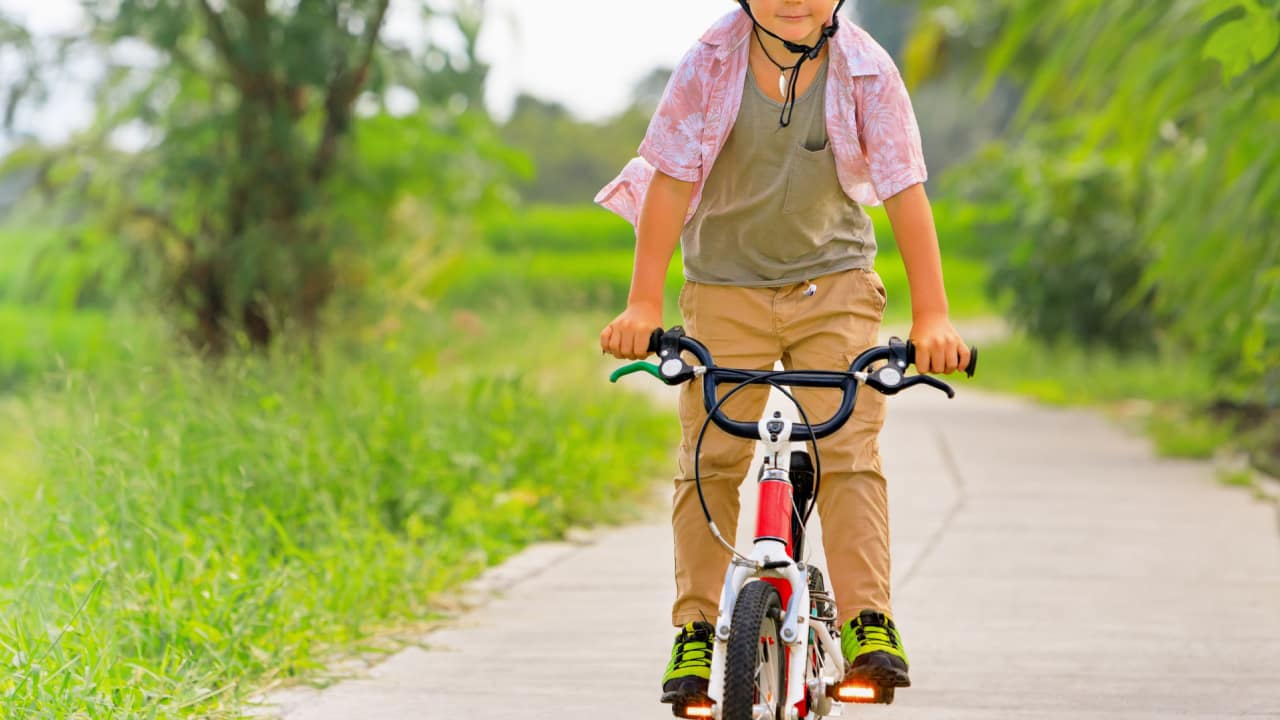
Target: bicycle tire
x=755, y=670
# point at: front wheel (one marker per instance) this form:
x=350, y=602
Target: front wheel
x=755, y=669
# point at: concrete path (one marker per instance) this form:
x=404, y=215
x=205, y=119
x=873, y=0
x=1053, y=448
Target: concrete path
x=1046, y=566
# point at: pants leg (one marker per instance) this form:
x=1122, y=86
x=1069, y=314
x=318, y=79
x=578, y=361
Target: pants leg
x=826, y=331
x=736, y=324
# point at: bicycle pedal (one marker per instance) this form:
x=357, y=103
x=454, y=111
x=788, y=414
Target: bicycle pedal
x=862, y=693
x=696, y=709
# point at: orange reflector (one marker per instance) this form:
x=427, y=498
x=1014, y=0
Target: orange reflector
x=697, y=711
x=855, y=692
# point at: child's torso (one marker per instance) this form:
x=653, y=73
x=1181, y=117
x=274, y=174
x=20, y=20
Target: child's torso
x=773, y=211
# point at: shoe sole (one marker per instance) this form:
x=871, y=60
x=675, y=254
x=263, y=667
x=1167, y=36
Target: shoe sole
x=879, y=675
x=678, y=697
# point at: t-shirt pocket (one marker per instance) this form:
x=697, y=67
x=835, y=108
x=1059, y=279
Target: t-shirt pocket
x=812, y=180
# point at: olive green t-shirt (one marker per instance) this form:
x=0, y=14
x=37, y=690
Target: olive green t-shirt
x=773, y=212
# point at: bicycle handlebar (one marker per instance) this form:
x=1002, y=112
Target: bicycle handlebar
x=889, y=380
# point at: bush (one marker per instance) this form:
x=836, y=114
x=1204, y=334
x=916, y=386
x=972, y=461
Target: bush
x=1066, y=248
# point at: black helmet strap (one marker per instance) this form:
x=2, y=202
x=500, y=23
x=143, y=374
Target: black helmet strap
x=804, y=51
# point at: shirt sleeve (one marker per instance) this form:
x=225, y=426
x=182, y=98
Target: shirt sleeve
x=673, y=143
x=890, y=135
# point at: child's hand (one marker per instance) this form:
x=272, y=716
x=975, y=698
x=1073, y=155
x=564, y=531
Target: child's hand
x=627, y=337
x=939, y=348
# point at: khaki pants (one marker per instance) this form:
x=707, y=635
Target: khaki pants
x=753, y=328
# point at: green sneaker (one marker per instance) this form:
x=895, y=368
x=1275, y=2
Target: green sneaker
x=689, y=672
x=873, y=653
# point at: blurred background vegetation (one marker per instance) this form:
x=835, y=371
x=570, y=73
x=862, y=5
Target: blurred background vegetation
x=296, y=334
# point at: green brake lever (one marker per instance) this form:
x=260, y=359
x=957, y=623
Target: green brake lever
x=634, y=367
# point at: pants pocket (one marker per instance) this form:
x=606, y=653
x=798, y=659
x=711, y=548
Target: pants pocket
x=685, y=300
x=873, y=281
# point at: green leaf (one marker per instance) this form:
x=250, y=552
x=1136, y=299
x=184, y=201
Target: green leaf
x=1266, y=34
x=1229, y=45
x=1212, y=9
x=1241, y=44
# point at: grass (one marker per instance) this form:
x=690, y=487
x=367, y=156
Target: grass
x=582, y=258
x=175, y=538
x=34, y=339
x=1237, y=477
x=1181, y=432
x=578, y=228
x=1071, y=375
x=583, y=280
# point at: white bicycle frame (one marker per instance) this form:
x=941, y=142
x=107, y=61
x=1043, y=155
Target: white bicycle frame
x=796, y=621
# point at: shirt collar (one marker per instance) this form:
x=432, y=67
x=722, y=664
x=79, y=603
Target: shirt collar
x=729, y=33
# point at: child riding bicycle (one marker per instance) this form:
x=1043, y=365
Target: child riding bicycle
x=777, y=127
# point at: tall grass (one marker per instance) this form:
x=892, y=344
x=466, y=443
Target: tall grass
x=175, y=538
x=35, y=339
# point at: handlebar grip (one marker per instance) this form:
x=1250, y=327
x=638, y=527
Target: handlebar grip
x=969, y=371
x=655, y=339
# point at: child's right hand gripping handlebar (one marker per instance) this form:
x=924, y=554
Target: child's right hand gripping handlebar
x=889, y=379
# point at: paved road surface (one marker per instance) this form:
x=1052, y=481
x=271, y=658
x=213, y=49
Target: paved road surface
x=1046, y=566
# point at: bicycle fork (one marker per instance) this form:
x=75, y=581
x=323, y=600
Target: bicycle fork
x=771, y=561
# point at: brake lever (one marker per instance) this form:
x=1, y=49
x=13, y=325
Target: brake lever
x=931, y=381
x=672, y=369
x=889, y=380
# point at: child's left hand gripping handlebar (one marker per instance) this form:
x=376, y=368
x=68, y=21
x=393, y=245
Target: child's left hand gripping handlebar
x=667, y=345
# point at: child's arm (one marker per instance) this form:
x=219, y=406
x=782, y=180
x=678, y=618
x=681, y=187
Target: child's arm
x=658, y=231
x=939, y=348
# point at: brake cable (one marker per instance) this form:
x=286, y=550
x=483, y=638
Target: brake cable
x=769, y=379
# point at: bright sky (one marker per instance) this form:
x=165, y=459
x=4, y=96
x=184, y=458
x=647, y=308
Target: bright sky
x=586, y=56
x=575, y=52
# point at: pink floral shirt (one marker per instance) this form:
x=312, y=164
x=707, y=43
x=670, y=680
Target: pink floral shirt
x=873, y=130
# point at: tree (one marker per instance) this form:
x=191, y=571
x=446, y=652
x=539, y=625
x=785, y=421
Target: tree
x=247, y=110
x=573, y=158
x=1180, y=98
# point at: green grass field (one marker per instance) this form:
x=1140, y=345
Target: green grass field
x=175, y=537
x=36, y=340
x=582, y=257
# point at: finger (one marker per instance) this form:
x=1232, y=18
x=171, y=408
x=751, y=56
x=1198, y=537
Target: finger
x=953, y=359
x=922, y=358
x=965, y=356
x=605, y=335
x=636, y=345
x=615, y=343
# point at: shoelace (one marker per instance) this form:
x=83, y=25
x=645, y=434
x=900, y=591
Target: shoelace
x=878, y=634
x=694, y=650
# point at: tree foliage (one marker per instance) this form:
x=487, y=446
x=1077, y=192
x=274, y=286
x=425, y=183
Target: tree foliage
x=1181, y=98
x=575, y=158
x=240, y=200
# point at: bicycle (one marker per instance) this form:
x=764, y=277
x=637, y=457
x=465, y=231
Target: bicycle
x=764, y=665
